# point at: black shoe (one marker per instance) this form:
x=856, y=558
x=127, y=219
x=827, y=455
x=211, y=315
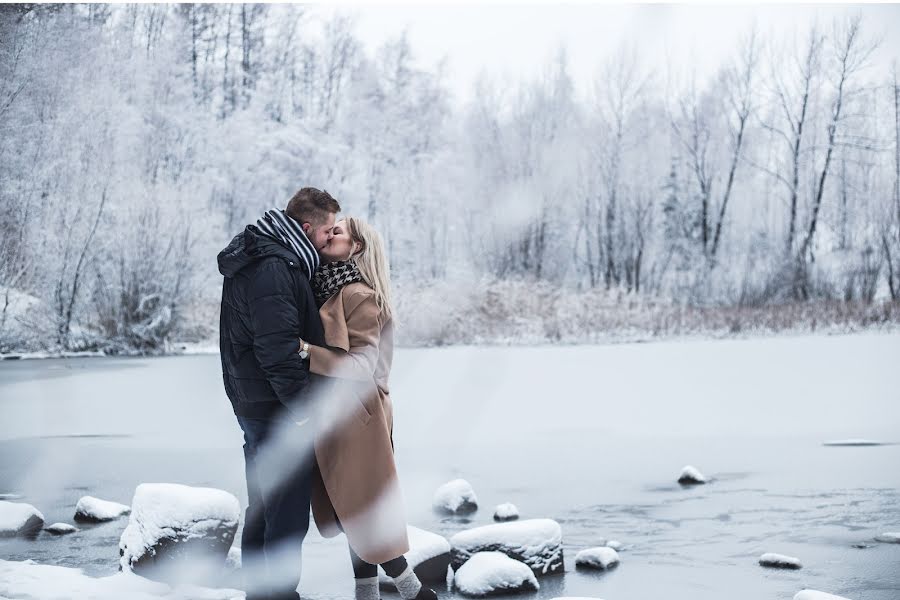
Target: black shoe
x=426, y=594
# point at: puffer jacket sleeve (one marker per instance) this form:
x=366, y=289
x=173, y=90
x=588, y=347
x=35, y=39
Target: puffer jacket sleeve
x=364, y=326
x=275, y=321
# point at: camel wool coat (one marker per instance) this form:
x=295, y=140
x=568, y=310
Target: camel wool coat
x=355, y=486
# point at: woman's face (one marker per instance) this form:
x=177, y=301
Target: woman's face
x=340, y=245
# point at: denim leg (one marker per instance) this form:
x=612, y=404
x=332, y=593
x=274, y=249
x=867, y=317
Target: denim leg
x=279, y=471
x=253, y=562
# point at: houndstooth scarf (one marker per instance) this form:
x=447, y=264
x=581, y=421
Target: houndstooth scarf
x=281, y=227
x=331, y=277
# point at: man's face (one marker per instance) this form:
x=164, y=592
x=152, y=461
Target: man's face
x=320, y=234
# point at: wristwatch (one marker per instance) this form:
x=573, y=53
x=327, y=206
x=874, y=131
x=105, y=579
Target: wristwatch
x=304, y=350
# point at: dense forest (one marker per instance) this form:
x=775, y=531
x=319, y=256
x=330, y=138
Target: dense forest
x=135, y=140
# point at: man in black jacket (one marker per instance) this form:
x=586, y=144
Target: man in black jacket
x=267, y=306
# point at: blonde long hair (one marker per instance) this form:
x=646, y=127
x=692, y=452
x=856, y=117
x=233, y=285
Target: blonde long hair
x=371, y=260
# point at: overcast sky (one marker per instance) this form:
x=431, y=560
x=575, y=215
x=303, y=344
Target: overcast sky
x=518, y=41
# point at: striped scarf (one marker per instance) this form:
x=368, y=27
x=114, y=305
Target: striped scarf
x=288, y=232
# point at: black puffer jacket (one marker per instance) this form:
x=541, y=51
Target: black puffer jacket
x=267, y=305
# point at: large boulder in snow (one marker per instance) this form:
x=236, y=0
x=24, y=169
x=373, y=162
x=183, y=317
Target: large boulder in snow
x=691, y=476
x=178, y=533
x=535, y=542
x=816, y=595
x=489, y=573
x=779, y=561
x=429, y=557
x=19, y=519
x=95, y=510
x=600, y=557
x=454, y=498
x=888, y=537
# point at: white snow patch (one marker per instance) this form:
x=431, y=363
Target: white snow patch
x=600, y=557
x=492, y=572
x=171, y=510
x=18, y=518
x=889, y=537
x=816, y=595
x=95, y=509
x=455, y=496
x=61, y=528
x=615, y=545
x=690, y=474
x=506, y=512
x=853, y=442
x=30, y=580
x=233, y=559
x=771, y=559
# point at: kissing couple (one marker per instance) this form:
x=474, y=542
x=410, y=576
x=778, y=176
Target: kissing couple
x=306, y=340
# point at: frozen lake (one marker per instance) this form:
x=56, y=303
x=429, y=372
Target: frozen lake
x=592, y=436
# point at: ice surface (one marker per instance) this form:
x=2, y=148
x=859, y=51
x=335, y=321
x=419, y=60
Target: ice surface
x=506, y=512
x=18, y=518
x=599, y=557
x=28, y=579
x=455, y=496
x=95, y=510
x=493, y=572
x=780, y=561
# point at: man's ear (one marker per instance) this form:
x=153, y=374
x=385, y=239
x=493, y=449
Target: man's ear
x=306, y=227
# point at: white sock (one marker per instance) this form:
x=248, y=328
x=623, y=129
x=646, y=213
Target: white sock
x=367, y=589
x=408, y=584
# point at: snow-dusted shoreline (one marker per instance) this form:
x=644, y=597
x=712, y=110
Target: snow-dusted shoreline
x=211, y=347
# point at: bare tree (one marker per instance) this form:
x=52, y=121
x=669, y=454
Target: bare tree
x=852, y=54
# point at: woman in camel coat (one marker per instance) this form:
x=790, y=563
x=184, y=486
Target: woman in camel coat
x=355, y=487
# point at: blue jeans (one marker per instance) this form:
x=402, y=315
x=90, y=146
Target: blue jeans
x=278, y=459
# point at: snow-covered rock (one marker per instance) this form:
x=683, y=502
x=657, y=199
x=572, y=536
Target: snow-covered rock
x=455, y=497
x=506, y=512
x=889, y=537
x=535, y=542
x=493, y=573
x=30, y=580
x=779, y=561
x=691, y=476
x=60, y=528
x=615, y=545
x=600, y=557
x=816, y=595
x=177, y=532
x=19, y=519
x=429, y=557
x=95, y=510
x=853, y=442
x=10, y=496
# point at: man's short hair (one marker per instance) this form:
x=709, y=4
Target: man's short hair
x=311, y=205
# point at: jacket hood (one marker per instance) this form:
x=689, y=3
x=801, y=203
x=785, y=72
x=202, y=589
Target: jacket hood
x=248, y=247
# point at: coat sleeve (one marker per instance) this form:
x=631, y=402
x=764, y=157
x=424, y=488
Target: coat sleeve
x=364, y=332
x=275, y=321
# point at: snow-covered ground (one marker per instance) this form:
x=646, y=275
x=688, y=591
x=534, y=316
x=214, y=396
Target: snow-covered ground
x=592, y=437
